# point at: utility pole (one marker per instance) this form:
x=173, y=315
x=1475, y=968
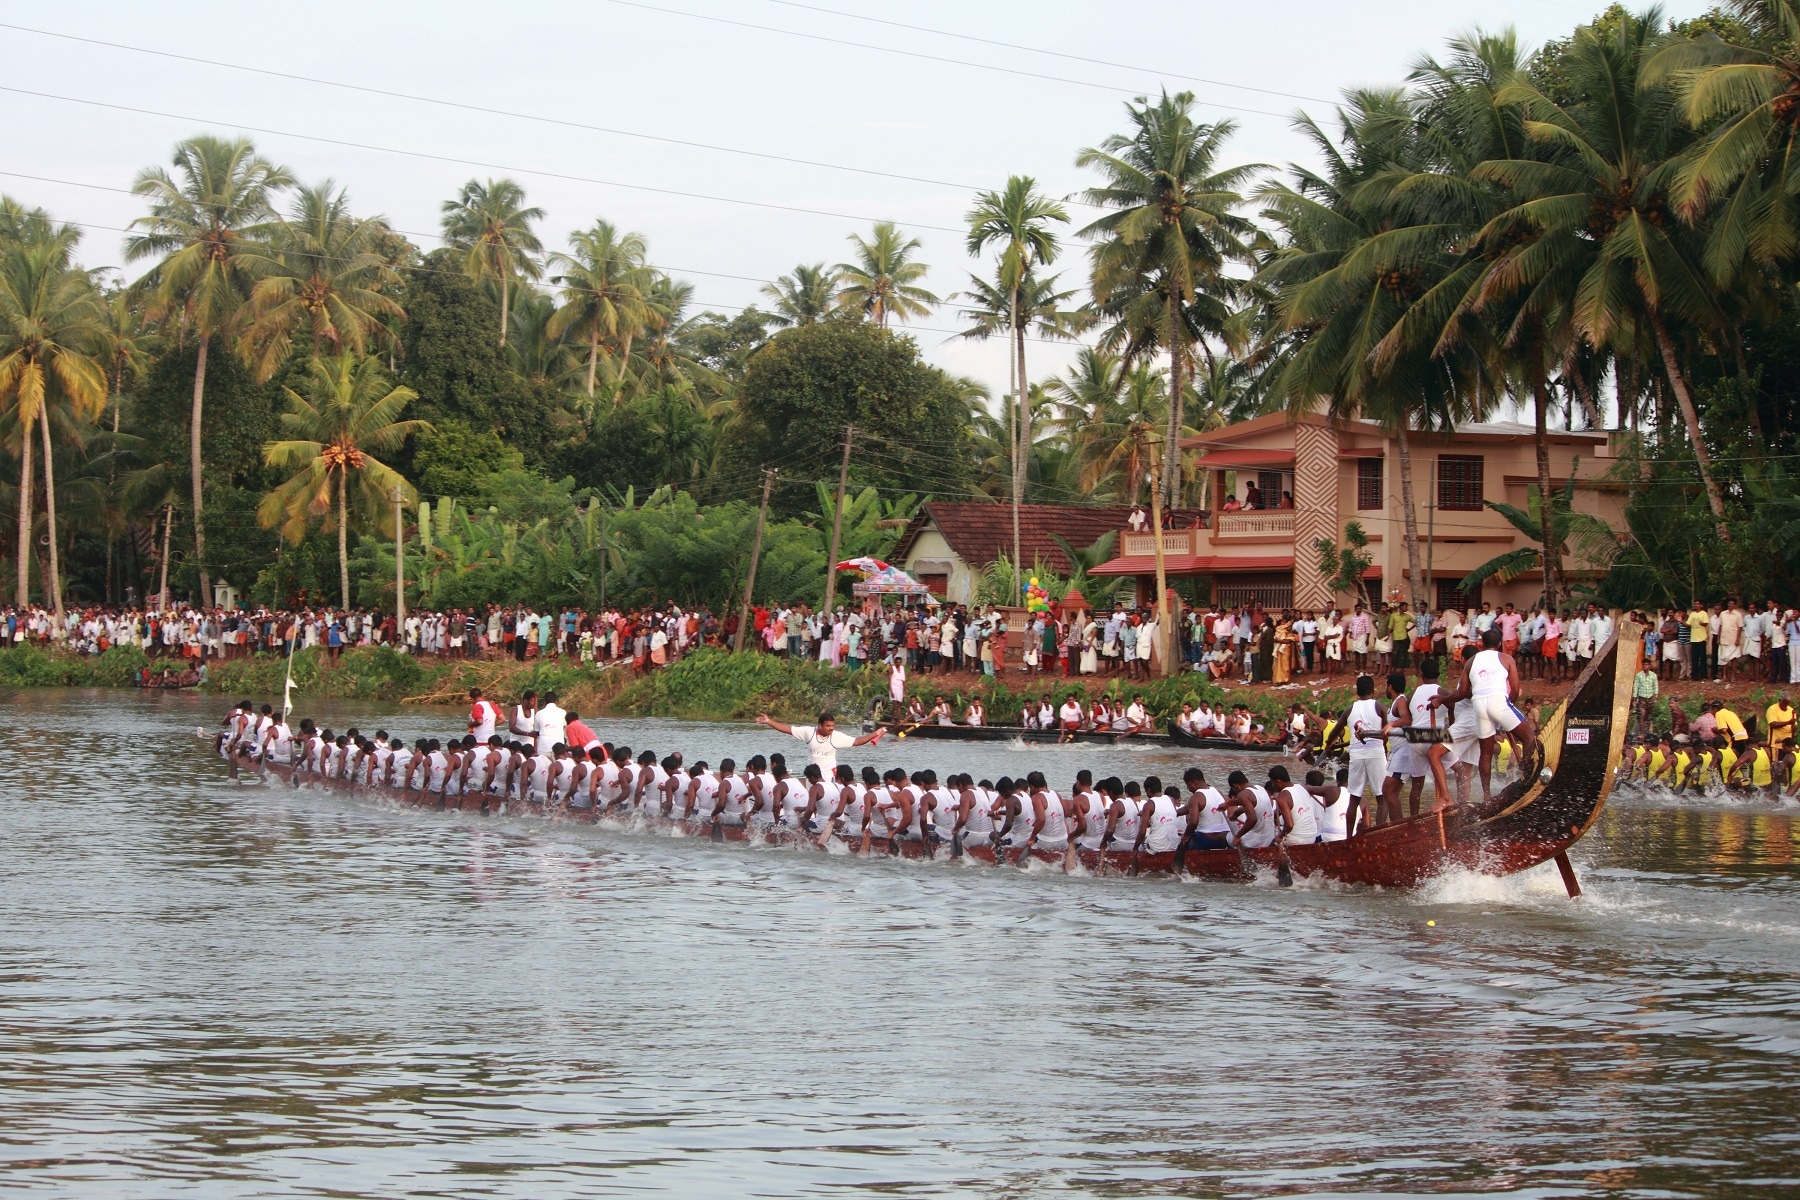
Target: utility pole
x=1430, y=589
x=762, y=515
x=605, y=530
x=399, y=499
x=162, y=592
x=837, y=525
x=1164, y=627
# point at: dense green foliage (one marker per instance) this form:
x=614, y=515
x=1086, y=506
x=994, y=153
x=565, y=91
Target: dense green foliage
x=1603, y=232
x=809, y=382
x=30, y=666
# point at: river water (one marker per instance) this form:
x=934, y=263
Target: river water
x=222, y=989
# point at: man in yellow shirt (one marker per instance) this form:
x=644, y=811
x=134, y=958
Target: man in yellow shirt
x=1778, y=721
x=1757, y=770
x=1399, y=627
x=1731, y=727
x=1697, y=622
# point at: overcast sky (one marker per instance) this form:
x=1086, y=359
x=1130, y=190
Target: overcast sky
x=732, y=79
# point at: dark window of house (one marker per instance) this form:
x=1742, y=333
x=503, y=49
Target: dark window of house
x=1459, y=481
x=937, y=585
x=1269, y=484
x=1451, y=596
x=1368, y=483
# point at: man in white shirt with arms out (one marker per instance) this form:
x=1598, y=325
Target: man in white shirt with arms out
x=823, y=740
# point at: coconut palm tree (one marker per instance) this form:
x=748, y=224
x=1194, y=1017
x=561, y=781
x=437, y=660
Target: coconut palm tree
x=349, y=414
x=130, y=348
x=205, y=222
x=668, y=358
x=884, y=280
x=490, y=224
x=604, y=284
x=533, y=352
x=320, y=277
x=803, y=297
x=1525, y=333
x=1745, y=172
x=1355, y=264
x=1046, y=310
x=1589, y=213
x=52, y=347
x=1017, y=219
x=1115, y=418
x=1172, y=231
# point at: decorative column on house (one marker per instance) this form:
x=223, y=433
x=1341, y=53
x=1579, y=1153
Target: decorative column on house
x=1315, y=509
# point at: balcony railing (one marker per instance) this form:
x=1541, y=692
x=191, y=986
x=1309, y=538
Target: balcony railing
x=1175, y=542
x=1268, y=523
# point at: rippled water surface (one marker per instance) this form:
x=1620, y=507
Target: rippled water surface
x=227, y=989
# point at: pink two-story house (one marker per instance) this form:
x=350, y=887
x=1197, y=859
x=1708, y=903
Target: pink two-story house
x=1310, y=478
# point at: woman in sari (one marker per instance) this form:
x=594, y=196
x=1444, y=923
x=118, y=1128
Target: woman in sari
x=1282, y=668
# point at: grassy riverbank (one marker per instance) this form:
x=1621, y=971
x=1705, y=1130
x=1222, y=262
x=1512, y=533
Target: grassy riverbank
x=29, y=666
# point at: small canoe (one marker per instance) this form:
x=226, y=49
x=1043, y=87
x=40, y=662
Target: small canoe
x=1181, y=737
x=1015, y=733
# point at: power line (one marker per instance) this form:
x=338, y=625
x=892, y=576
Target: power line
x=486, y=110
x=939, y=58
x=1099, y=62
x=469, y=162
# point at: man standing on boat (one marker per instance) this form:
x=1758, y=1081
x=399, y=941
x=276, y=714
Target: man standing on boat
x=1491, y=682
x=1367, y=722
x=483, y=716
x=822, y=741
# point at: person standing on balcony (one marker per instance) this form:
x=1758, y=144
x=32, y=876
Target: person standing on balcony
x=1138, y=521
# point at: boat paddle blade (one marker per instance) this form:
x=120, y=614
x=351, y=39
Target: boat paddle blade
x=956, y=846
x=1284, y=874
x=718, y=834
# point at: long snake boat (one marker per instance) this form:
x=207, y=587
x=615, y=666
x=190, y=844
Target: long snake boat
x=1534, y=820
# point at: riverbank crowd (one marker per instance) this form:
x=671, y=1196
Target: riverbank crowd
x=1729, y=642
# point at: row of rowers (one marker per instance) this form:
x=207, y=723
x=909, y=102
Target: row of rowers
x=1770, y=768
x=613, y=780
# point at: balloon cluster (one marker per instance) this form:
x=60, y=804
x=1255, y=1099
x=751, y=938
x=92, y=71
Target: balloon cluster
x=1036, y=599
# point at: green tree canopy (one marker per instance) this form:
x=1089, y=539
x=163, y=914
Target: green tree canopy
x=810, y=381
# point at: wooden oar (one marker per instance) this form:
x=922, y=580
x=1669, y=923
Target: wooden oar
x=1284, y=867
